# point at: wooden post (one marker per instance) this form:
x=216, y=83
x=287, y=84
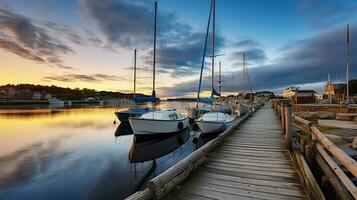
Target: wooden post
x=282, y=115
x=288, y=126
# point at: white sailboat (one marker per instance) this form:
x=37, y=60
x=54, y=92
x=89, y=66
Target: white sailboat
x=159, y=122
x=162, y=121
x=213, y=122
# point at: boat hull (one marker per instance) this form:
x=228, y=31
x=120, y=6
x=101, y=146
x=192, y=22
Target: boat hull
x=243, y=108
x=194, y=113
x=208, y=127
x=222, y=108
x=152, y=126
x=124, y=115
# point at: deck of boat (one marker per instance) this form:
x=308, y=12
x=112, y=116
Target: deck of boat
x=252, y=163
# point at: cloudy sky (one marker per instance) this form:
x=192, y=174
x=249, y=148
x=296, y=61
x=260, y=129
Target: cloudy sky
x=90, y=43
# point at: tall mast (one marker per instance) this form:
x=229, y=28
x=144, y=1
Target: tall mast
x=348, y=62
x=135, y=72
x=243, y=72
x=213, y=39
x=220, y=80
x=329, y=88
x=154, y=57
x=204, y=54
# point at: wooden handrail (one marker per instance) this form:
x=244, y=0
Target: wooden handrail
x=338, y=171
x=340, y=155
x=324, y=142
x=301, y=120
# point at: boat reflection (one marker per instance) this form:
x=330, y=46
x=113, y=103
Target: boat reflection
x=145, y=149
x=203, y=139
x=123, y=129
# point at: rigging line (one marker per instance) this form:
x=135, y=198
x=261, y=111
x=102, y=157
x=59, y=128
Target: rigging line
x=250, y=86
x=204, y=55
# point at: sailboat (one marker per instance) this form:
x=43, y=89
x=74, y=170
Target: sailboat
x=135, y=111
x=242, y=106
x=158, y=121
x=212, y=122
x=221, y=106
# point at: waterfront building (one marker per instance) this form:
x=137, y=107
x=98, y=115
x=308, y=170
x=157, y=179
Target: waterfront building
x=290, y=92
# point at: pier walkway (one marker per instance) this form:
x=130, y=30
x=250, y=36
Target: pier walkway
x=252, y=163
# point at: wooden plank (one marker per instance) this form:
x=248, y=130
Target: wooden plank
x=185, y=196
x=214, y=194
x=248, y=171
x=340, y=155
x=250, y=175
x=261, y=151
x=309, y=178
x=231, y=190
x=255, y=164
x=338, y=171
x=255, y=147
x=246, y=186
x=264, y=167
x=249, y=154
x=258, y=169
x=247, y=159
x=256, y=144
x=259, y=182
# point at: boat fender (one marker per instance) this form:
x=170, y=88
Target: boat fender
x=180, y=125
x=223, y=127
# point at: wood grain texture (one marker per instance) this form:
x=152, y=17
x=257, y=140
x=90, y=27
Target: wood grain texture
x=252, y=163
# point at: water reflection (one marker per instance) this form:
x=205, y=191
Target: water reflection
x=26, y=113
x=123, y=129
x=25, y=164
x=144, y=148
x=202, y=139
x=73, y=153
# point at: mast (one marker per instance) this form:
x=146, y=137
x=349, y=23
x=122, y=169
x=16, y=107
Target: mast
x=154, y=57
x=135, y=72
x=250, y=86
x=347, y=62
x=329, y=88
x=204, y=54
x=220, y=81
x=213, y=39
x=243, y=73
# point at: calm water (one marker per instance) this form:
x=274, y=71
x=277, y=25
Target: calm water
x=78, y=153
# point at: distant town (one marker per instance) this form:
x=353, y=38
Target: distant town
x=33, y=94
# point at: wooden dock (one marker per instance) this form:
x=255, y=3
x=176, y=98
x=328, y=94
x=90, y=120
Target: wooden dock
x=252, y=163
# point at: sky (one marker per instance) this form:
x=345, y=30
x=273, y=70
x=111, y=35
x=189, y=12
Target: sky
x=90, y=43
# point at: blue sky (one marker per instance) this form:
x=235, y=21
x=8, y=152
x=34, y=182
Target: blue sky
x=88, y=43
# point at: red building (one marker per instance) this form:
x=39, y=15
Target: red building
x=304, y=97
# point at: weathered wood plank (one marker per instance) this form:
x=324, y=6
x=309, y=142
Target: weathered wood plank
x=296, y=192
x=237, y=191
x=253, y=164
x=258, y=182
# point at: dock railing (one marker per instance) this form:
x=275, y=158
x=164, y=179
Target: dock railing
x=162, y=184
x=310, y=148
